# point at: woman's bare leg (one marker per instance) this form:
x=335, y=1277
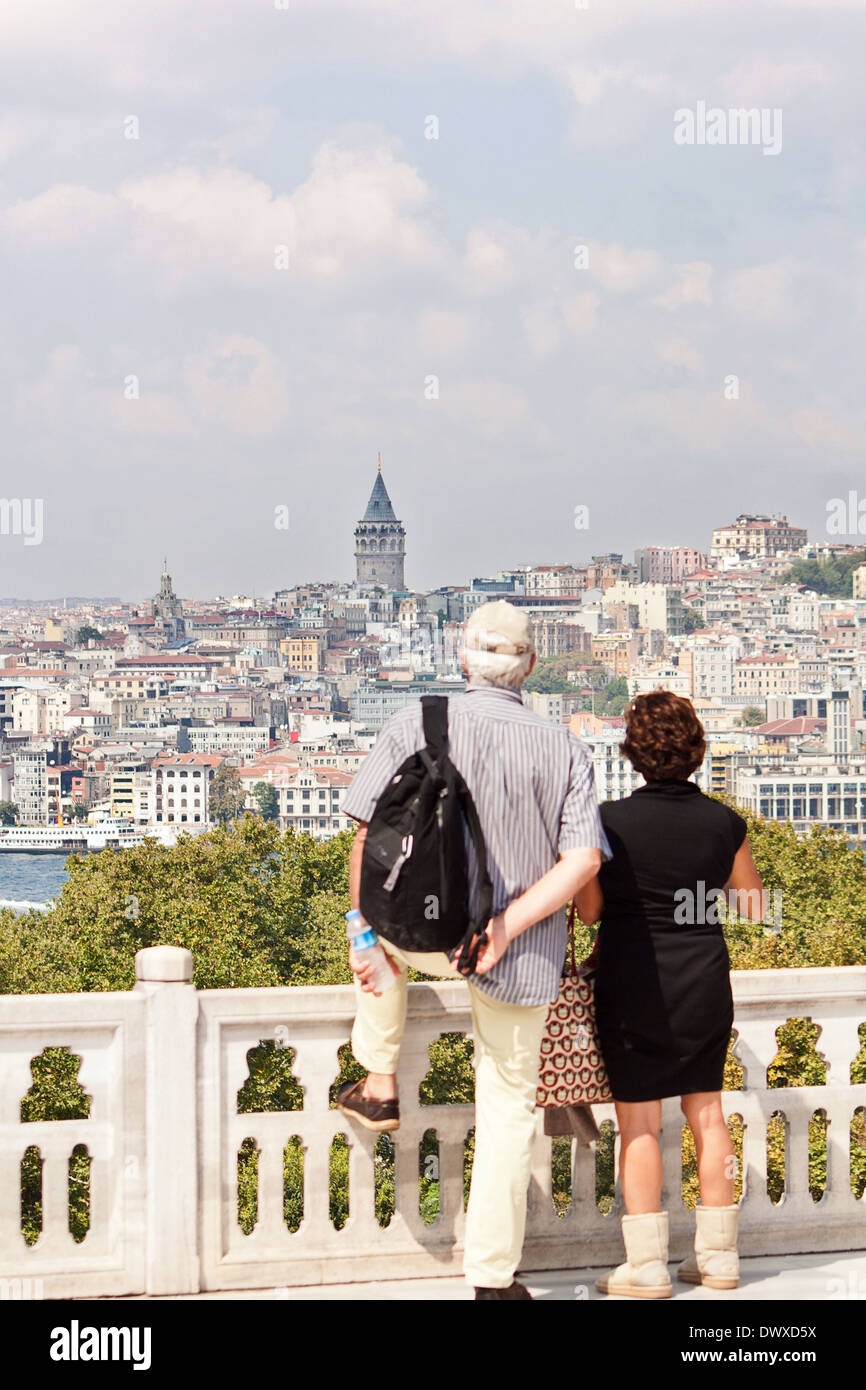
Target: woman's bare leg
x=715, y=1152
x=640, y=1159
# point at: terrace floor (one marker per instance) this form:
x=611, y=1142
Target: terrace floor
x=774, y=1278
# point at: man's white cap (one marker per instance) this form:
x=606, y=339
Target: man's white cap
x=498, y=627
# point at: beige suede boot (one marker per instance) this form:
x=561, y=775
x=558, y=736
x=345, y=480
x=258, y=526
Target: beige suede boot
x=645, y=1272
x=715, y=1262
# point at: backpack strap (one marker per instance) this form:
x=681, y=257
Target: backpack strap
x=434, y=713
x=468, y=952
x=434, y=709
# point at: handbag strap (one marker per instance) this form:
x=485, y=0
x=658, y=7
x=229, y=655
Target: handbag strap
x=571, y=911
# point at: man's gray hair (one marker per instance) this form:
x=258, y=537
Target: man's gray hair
x=496, y=668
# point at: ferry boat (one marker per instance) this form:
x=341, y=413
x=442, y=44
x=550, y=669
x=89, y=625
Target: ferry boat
x=111, y=833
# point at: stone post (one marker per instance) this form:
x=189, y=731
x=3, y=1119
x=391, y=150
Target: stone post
x=164, y=975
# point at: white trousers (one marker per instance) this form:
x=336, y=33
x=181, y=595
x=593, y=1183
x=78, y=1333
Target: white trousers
x=507, y=1042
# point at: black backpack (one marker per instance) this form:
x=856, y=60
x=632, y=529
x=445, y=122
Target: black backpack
x=414, y=870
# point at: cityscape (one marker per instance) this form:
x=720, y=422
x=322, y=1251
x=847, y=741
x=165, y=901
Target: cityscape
x=123, y=720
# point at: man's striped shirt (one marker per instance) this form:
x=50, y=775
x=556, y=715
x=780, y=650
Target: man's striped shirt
x=533, y=786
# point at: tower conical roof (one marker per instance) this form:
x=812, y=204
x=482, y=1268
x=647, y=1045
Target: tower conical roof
x=379, y=506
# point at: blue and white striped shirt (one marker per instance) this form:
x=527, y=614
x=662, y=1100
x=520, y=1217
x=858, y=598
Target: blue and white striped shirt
x=533, y=786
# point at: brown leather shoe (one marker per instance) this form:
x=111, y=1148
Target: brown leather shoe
x=514, y=1290
x=380, y=1115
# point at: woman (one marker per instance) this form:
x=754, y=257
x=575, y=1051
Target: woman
x=663, y=992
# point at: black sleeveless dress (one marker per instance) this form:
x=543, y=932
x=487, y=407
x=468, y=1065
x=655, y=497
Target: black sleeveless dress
x=663, y=991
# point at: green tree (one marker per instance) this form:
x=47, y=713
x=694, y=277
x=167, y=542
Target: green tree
x=86, y=634
x=752, y=716
x=613, y=697
x=226, y=796
x=693, y=620
x=268, y=800
x=255, y=908
x=549, y=675
x=79, y=810
x=8, y=813
x=832, y=577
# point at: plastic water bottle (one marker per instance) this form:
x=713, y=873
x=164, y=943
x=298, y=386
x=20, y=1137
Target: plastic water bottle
x=367, y=948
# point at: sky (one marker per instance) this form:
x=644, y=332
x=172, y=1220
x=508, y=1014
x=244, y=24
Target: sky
x=248, y=245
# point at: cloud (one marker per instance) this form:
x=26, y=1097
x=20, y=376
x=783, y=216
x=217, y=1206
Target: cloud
x=360, y=204
x=764, y=295
x=446, y=332
x=691, y=287
x=542, y=331
x=487, y=407
x=619, y=270
x=580, y=311
x=247, y=128
x=679, y=353
x=822, y=430
x=490, y=259
x=759, y=81
x=65, y=215
x=238, y=383
x=359, y=207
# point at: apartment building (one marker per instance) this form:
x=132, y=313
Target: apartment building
x=661, y=676
x=181, y=784
x=39, y=712
x=557, y=708
x=616, y=651
x=658, y=605
x=807, y=792
x=658, y=564
x=310, y=802
x=304, y=652
x=373, y=704
x=96, y=723
x=127, y=685
x=131, y=794
x=308, y=796
x=615, y=777
x=754, y=537
x=555, y=581
x=712, y=667
x=233, y=739
x=756, y=677
x=31, y=785
x=552, y=637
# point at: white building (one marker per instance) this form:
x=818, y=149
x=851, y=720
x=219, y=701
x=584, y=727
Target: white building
x=31, y=786
x=663, y=676
x=181, y=784
x=309, y=797
x=615, y=777
x=40, y=711
x=95, y=723
x=557, y=708
x=807, y=792
x=713, y=669
x=236, y=740
x=659, y=606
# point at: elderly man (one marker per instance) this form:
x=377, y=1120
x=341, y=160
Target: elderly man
x=532, y=784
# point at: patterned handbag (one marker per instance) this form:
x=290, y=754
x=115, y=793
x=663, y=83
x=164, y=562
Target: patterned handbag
x=572, y=1068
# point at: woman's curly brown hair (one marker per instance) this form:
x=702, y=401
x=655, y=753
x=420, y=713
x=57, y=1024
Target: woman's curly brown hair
x=664, y=739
